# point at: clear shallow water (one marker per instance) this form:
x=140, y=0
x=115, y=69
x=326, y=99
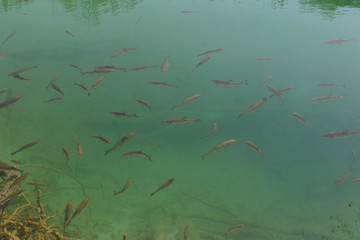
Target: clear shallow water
x=289, y=194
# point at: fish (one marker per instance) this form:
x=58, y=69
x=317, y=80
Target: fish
x=343, y=134
x=301, y=119
x=189, y=11
x=323, y=98
x=219, y=147
x=74, y=66
x=68, y=211
x=141, y=68
x=83, y=87
x=137, y=153
x=104, y=67
x=139, y=19
x=29, y=145
x=21, y=78
x=17, y=72
x=179, y=120
x=121, y=52
x=204, y=60
x=186, y=232
x=267, y=59
x=265, y=81
x=187, y=100
x=19, y=180
x=100, y=71
x=355, y=180
x=17, y=162
x=123, y=114
x=97, y=81
x=9, y=101
x=70, y=34
x=165, y=65
x=2, y=55
x=162, y=84
x=228, y=83
x=340, y=179
x=214, y=128
x=67, y=154
x=144, y=103
x=254, y=106
x=127, y=185
x=52, y=81
x=125, y=236
x=162, y=187
x=153, y=144
x=54, y=86
x=275, y=92
x=211, y=51
x=102, y=139
x=331, y=85
x=251, y=25
x=340, y=41
x=10, y=36
x=79, y=148
x=256, y=148
x=238, y=226
x=121, y=142
x=286, y=89
x=53, y=99
x=82, y=205
x=353, y=157
x=3, y=90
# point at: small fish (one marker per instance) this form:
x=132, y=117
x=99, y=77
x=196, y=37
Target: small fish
x=162, y=84
x=97, y=81
x=275, y=92
x=153, y=144
x=238, y=226
x=166, y=184
x=343, y=134
x=2, y=55
x=301, y=119
x=204, y=60
x=165, y=65
x=256, y=148
x=331, y=85
x=286, y=89
x=219, y=147
x=353, y=157
x=144, y=103
x=266, y=59
x=179, y=120
x=121, y=52
x=101, y=71
x=53, y=99
x=121, y=142
x=251, y=25
x=75, y=66
x=67, y=154
x=189, y=99
x=137, y=153
x=123, y=114
x=17, y=72
x=29, y=145
x=340, y=179
x=340, y=41
x=355, y=180
x=214, y=128
x=189, y=11
x=3, y=90
x=265, y=81
x=9, y=101
x=323, y=98
x=211, y=51
x=17, y=162
x=82, y=205
x=68, y=211
x=102, y=139
x=10, y=36
x=104, y=67
x=186, y=232
x=21, y=78
x=141, y=68
x=254, y=106
x=68, y=32
x=19, y=180
x=54, y=86
x=79, y=148
x=139, y=20
x=228, y=83
x=83, y=87
x=127, y=185
x=54, y=80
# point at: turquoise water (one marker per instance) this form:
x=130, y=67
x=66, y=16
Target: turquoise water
x=288, y=194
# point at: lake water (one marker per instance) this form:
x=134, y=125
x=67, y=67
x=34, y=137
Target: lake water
x=287, y=194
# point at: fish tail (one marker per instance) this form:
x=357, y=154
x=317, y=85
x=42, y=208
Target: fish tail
x=13, y=153
x=150, y=158
x=240, y=115
x=135, y=115
x=152, y=194
x=246, y=83
x=89, y=93
x=106, y=152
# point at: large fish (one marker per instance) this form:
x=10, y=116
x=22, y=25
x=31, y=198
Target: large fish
x=29, y=145
x=323, y=98
x=82, y=205
x=141, y=68
x=254, y=106
x=275, y=92
x=9, y=101
x=123, y=140
x=17, y=72
x=340, y=41
x=162, y=187
x=189, y=99
x=219, y=147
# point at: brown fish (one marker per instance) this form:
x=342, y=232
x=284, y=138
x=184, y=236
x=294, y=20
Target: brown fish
x=254, y=106
x=189, y=99
x=186, y=232
x=53, y=99
x=166, y=184
x=340, y=179
x=355, y=180
x=343, y=134
x=17, y=72
x=219, y=147
x=82, y=205
x=67, y=154
x=9, y=101
x=100, y=71
x=265, y=81
x=139, y=20
x=340, y=41
x=286, y=89
x=121, y=52
x=97, y=81
x=238, y=226
x=68, y=211
x=204, y=60
x=301, y=119
x=353, y=157
x=70, y=34
x=323, y=98
x=75, y=66
x=214, y=128
x=127, y=185
x=52, y=81
x=256, y=148
x=211, y=51
x=2, y=55
x=123, y=140
x=79, y=148
x=331, y=85
x=3, y=90
x=102, y=139
x=165, y=65
x=123, y=114
x=29, y=145
x=10, y=36
x=141, y=68
x=137, y=153
x=54, y=86
x=21, y=78
x=162, y=84
x=266, y=59
x=83, y=87
x=104, y=67
x=144, y=103
x=275, y=92
x=228, y=83
x=179, y=120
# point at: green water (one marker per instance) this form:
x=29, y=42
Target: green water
x=288, y=194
